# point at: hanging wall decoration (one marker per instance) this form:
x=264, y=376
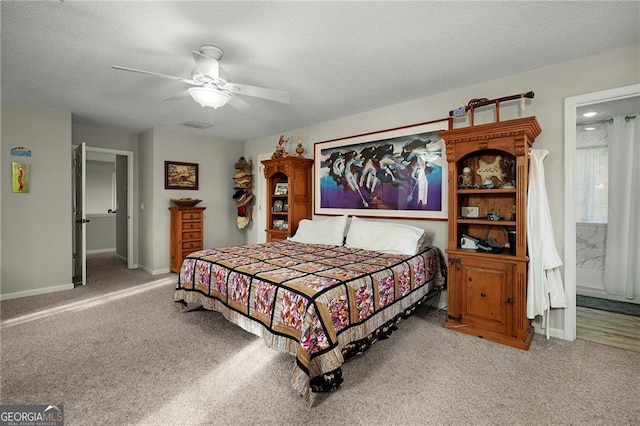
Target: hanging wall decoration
x=20, y=151
x=396, y=172
x=243, y=195
x=19, y=177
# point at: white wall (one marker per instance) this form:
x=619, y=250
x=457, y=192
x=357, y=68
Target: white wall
x=36, y=226
x=216, y=159
x=620, y=67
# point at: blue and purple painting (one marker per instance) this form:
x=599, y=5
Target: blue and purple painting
x=400, y=173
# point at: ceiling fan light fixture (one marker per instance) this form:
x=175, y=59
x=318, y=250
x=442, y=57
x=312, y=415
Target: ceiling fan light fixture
x=209, y=97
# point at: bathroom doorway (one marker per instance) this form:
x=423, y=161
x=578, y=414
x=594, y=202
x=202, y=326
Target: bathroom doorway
x=591, y=306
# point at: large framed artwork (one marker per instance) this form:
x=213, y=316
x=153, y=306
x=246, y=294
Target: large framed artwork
x=179, y=175
x=399, y=172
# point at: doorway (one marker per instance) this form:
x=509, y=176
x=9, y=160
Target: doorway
x=573, y=106
x=113, y=193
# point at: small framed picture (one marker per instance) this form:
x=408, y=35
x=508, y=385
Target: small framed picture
x=179, y=175
x=470, y=212
x=20, y=177
x=281, y=188
x=277, y=205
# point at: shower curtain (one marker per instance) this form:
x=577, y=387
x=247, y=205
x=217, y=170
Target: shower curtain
x=622, y=265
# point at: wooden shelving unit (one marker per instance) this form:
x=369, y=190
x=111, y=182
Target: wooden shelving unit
x=487, y=291
x=294, y=174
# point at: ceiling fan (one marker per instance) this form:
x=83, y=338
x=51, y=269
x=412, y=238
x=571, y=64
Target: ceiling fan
x=212, y=88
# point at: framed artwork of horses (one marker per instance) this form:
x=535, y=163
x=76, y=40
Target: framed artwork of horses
x=398, y=172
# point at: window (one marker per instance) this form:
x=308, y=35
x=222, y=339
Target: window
x=592, y=184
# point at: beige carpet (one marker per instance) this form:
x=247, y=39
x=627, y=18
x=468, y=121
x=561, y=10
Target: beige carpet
x=127, y=357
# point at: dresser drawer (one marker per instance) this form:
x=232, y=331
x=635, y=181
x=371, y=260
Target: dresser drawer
x=186, y=253
x=191, y=215
x=192, y=245
x=191, y=225
x=191, y=235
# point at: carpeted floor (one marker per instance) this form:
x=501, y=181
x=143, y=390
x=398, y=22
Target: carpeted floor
x=121, y=354
x=608, y=305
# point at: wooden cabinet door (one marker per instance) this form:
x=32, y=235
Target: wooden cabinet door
x=485, y=294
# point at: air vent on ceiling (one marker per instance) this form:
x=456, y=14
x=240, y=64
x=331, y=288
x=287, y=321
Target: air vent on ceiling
x=196, y=124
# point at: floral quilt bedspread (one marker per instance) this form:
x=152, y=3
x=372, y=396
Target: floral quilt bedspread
x=309, y=300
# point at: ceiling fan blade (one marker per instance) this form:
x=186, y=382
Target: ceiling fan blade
x=259, y=92
x=206, y=65
x=170, y=77
x=178, y=96
x=238, y=103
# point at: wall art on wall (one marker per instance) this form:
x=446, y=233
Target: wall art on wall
x=19, y=177
x=397, y=172
x=180, y=175
x=20, y=151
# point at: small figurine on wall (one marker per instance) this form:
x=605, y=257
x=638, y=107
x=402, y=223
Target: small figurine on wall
x=280, y=151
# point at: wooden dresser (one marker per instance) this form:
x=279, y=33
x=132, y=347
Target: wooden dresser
x=186, y=233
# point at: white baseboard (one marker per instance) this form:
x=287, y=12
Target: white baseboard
x=558, y=333
x=107, y=250
x=154, y=272
x=35, y=292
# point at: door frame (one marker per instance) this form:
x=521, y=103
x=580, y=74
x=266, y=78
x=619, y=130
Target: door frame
x=131, y=264
x=571, y=105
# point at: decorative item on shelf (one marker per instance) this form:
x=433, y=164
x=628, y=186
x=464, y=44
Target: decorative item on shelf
x=494, y=215
x=280, y=151
x=473, y=104
x=243, y=182
x=470, y=212
x=185, y=202
x=490, y=172
x=490, y=245
x=280, y=224
x=281, y=188
x=299, y=148
x=508, y=172
x=465, y=180
x=277, y=206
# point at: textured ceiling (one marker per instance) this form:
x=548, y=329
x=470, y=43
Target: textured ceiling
x=334, y=58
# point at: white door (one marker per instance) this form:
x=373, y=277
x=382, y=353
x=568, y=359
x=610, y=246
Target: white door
x=80, y=215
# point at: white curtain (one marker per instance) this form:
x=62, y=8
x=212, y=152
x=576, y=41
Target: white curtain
x=622, y=257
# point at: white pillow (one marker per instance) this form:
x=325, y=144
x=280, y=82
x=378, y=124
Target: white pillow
x=321, y=231
x=385, y=237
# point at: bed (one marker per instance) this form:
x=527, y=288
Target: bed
x=322, y=303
